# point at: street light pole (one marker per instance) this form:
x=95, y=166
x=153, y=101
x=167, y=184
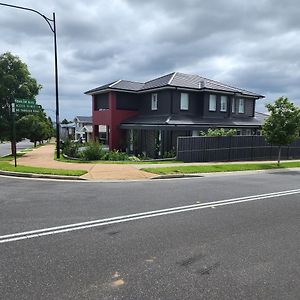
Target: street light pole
x=53, y=29
x=56, y=91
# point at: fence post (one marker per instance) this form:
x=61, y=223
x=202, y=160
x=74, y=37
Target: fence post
x=177, y=141
x=252, y=147
x=230, y=145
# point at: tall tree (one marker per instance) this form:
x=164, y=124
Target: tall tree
x=15, y=82
x=282, y=127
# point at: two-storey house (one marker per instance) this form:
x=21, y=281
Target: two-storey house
x=148, y=117
x=83, y=128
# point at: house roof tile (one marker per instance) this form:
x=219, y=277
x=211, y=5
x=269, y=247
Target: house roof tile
x=175, y=79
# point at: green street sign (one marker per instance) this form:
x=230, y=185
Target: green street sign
x=25, y=101
x=27, y=110
x=29, y=106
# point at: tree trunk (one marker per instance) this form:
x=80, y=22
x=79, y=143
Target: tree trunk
x=34, y=145
x=279, y=156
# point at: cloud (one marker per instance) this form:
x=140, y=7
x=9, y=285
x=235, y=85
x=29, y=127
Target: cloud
x=252, y=45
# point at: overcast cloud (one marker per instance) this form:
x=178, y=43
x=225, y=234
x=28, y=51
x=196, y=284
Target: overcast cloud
x=251, y=45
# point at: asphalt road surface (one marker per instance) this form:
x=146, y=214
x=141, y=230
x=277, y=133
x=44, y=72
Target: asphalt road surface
x=5, y=148
x=223, y=237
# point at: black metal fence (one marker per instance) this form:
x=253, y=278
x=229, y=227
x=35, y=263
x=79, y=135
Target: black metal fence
x=234, y=148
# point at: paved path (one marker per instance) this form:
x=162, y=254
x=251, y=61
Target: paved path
x=44, y=157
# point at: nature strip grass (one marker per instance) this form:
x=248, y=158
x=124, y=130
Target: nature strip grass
x=6, y=166
x=220, y=168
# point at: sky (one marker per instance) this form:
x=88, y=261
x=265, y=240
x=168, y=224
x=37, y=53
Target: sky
x=253, y=45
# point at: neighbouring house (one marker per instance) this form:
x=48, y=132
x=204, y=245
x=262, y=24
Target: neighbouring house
x=83, y=128
x=148, y=117
x=67, y=131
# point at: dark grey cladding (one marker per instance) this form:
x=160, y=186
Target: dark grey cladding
x=175, y=79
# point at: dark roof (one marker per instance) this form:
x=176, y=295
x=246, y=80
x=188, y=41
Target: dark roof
x=84, y=119
x=175, y=79
x=127, y=85
x=192, y=121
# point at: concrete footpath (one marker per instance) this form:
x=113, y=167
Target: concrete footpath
x=44, y=157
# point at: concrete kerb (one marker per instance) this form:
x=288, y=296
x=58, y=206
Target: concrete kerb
x=46, y=176
x=159, y=177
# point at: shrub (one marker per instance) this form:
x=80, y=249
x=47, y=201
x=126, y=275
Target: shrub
x=169, y=154
x=133, y=158
x=116, y=155
x=70, y=149
x=143, y=156
x=218, y=132
x=93, y=151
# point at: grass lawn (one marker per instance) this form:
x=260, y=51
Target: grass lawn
x=6, y=166
x=11, y=157
x=220, y=168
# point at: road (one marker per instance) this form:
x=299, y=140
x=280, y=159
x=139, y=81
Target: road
x=5, y=148
x=201, y=248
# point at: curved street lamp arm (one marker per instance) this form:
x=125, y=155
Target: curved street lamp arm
x=33, y=10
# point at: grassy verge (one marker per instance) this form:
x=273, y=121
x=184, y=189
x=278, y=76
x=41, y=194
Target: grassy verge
x=220, y=168
x=6, y=166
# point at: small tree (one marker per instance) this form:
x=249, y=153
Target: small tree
x=282, y=126
x=35, y=127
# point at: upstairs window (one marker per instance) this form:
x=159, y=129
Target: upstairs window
x=223, y=103
x=154, y=101
x=184, y=101
x=212, y=103
x=233, y=105
x=241, y=106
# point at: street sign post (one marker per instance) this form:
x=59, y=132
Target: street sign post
x=14, y=150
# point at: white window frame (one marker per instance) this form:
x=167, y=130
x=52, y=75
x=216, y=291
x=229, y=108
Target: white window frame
x=184, y=101
x=154, y=101
x=241, y=106
x=233, y=105
x=223, y=103
x=212, y=105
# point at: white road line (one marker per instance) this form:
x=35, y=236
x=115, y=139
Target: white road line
x=126, y=218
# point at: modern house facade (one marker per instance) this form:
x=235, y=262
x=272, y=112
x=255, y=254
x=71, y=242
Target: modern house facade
x=148, y=117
